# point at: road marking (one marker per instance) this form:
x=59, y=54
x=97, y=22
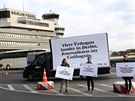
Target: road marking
x=78, y=91
x=4, y=88
x=105, y=85
x=101, y=90
x=11, y=71
x=30, y=89
x=81, y=85
x=113, y=73
x=10, y=87
x=53, y=90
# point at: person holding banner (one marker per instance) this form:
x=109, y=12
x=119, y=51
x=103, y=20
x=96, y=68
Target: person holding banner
x=65, y=64
x=90, y=78
x=127, y=79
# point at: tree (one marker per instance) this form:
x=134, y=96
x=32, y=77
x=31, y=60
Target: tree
x=114, y=53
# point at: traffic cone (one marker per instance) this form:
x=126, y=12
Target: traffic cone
x=45, y=84
x=44, y=76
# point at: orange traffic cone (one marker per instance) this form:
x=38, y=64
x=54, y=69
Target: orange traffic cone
x=45, y=84
x=44, y=76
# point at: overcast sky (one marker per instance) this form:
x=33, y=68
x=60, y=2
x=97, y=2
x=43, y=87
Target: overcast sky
x=83, y=17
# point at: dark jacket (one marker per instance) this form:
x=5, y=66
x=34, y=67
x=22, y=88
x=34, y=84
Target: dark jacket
x=65, y=65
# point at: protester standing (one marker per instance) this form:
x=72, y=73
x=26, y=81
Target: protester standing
x=90, y=78
x=64, y=64
x=128, y=82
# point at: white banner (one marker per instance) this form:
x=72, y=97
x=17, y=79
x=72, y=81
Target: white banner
x=125, y=69
x=64, y=72
x=89, y=70
x=76, y=49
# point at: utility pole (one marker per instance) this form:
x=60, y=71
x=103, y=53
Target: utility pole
x=23, y=6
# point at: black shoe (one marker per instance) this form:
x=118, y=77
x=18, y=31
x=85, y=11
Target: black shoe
x=60, y=91
x=66, y=91
x=92, y=91
x=88, y=90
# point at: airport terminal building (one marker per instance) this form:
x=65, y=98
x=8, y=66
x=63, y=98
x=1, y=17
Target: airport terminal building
x=22, y=30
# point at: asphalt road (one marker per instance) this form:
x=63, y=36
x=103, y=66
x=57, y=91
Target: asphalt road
x=14, y=87
x=15, y=96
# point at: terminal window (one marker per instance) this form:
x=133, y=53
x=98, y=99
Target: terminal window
x=4, y=14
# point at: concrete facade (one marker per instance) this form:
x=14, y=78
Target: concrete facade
x=22, y=30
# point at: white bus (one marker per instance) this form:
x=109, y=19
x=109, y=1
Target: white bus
x=17, y=58
x=11, y=63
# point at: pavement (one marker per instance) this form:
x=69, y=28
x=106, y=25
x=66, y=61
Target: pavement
x=14, y=82
x=76, y=88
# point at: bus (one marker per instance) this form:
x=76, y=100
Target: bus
x=12, y=63
x=16, y=59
